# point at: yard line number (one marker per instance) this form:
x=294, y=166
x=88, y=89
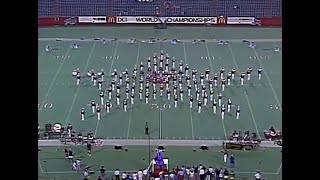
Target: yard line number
x=271, y=106
x=163, y=106
x=46, y=106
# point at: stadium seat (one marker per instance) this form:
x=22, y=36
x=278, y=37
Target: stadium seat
x=69, y=8
x=235, y=8
x=46, y=8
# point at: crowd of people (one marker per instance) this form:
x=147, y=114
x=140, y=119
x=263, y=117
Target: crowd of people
x=198, y=172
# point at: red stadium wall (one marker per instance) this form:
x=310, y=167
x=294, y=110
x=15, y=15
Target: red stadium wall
x=48, y=21
x=271, y=21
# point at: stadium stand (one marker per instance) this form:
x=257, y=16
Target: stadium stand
x=69, y=8
x=83, y=7
x=46, y=8
x=189, y=8
x=135, y=8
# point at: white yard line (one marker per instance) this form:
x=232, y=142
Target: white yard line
x=265, y=72
x=76, y=94
x=40, y=165
x=279, y=168
x=42, y=53
x=160, y=122
x=109, y=74
x=209, y=57
x=247, y=98
x=53, y=80
x=130, y=117
x=190, y=112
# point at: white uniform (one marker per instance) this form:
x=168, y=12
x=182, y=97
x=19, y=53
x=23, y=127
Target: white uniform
x=223, y=109
x=94, y=80
x=101, y=97
x=229, y=105
x=108, y=107
x=82, y=114
x=168, y=94
x=205, y=99
x=147, y=97
x=190, y=102
x=154, y=95
x=211, y=95
x=175, y=101
x=223, y=84
x=238, y=112
x=140, y=94
x=259, y=73
x=93, y=106
x=181, y=94
x=257, y=176
x=225, y=157
x=99, y=84
x=132, y=99
x=78, y=78
x=125, y=105
x=98, y=112
x=219, y=99
x=199, y=107
x=221, y=73
x=242, y=78
x=214, y=106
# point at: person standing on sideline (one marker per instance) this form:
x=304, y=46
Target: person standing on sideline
x=117, y=174
x=102, y=172
x=232, y=161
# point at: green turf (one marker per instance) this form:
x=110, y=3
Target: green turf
x=171, y=32
x=56, y=86
x=52, y=160
x=117, y=124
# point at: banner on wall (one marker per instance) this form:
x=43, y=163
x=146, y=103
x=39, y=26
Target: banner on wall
x=241, y=20
x=168, y=20
x=92, y=19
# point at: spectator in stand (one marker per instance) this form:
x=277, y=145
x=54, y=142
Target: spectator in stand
x=117, y=174
x=217, y=172
x=191, y=175
x=124, y=176
x=140, y=174
x=181, y=174
x=129, y=176
x=102, y=172
x=202, y=173
x=134, y=176
x=226, y=174
x=145, y=172
x=220, y=175
x=172, y=174
x=210, y=173
x=232, y=175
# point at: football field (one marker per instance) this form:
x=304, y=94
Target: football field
x=60, y=99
